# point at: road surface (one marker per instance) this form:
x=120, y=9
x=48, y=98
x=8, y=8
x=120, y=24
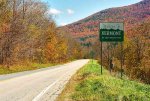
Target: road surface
x=39, y=85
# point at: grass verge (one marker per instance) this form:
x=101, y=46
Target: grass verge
x=20, y=68
x=89, y=85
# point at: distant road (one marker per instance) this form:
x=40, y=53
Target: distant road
x=39, y=85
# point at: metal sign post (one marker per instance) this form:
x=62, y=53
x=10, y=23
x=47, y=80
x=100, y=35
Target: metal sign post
x=101, y=58
x=112, y=32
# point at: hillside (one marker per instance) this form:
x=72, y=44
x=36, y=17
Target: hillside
x=131, y=15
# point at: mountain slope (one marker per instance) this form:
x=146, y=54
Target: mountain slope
x=131, y=15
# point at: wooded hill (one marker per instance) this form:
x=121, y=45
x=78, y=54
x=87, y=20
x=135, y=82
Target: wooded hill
x=131, y=15
x=136, y=48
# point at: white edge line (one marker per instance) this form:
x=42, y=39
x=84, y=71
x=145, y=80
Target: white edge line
x=47, y=88
x=44, y=91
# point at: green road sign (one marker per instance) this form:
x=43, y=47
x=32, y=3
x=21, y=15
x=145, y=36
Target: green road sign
x=111, y=32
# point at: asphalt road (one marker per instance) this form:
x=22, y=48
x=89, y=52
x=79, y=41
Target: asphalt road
x=39, y=85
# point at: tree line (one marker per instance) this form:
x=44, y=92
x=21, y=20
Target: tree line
x=29, y=34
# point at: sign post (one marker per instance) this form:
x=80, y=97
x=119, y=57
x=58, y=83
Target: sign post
x=112, y=32
x=101, y=58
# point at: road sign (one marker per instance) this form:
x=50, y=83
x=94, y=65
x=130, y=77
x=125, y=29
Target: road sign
x=111, y=32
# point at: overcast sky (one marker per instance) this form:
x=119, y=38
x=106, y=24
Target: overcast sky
x=68, y=11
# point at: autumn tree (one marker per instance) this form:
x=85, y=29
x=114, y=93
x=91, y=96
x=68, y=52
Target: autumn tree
x=29, y=34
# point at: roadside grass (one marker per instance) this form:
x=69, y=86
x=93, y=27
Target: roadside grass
x=5, y=71
x=27, y=66
x=21, y=68
x=89, y=85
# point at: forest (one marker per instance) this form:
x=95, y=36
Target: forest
x=29, y=35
